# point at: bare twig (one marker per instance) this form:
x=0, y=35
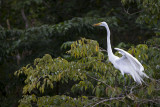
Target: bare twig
x=25, y=18
x=8, y=24
x=103, y=50
x=127, y=11
x=18, y=58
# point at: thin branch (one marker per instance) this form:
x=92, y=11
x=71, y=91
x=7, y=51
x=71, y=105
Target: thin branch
x=111, y=73
x=102, y=50
x=156, y=48
x=127, y=11
x=40, y=78
x=99, y=81
x=8, y=24
x=156, y=101
x=131, y=90
x=152, y=79
x=24, y=18
x=116, y=98
x=46, y=4
x=94, y=98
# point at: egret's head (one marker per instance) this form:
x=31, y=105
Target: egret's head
x=100, y=24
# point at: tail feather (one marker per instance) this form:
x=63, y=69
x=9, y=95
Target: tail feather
x=137, y=77
x=140, y=72
x=144, y=75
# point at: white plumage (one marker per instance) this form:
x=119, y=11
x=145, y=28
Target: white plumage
x=127, y=64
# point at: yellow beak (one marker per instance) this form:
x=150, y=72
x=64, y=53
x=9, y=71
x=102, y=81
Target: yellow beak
x=97, y=24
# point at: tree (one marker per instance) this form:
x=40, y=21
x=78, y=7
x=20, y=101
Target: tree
x=148, y=12
x=88, y=79
x=29, y=29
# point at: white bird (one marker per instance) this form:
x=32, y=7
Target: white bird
x=127, y=64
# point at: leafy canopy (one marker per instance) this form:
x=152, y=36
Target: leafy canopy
x=88, y=76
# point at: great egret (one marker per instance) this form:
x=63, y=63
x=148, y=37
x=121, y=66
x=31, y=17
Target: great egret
x=127, y=63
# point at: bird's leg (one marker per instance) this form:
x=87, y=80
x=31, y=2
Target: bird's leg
x=124, y=81
x=124, y=84
x=123, y=89
x=129, y=80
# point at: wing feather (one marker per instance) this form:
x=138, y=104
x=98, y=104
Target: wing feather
x=135, y=63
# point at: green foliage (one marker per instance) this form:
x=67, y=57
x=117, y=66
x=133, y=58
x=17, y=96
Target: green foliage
x=62, y=101
x=25, y=40
x=21, y=47
x=88, y=74
x=56, y=101
x=27, y=99
x=50, y=24
x=148, y=12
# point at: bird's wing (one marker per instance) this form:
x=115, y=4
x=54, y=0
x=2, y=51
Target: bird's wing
x=125, y=66
x=135, y=63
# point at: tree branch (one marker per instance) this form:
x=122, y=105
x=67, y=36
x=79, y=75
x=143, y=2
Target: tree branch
x=24, y=18
x=156, y=101
x=127, y=11
x=103, y=50
x=99, y=81
x=8, y=24
x=115, y=98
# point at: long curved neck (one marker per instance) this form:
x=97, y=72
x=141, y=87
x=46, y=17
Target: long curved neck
x=109, y=49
